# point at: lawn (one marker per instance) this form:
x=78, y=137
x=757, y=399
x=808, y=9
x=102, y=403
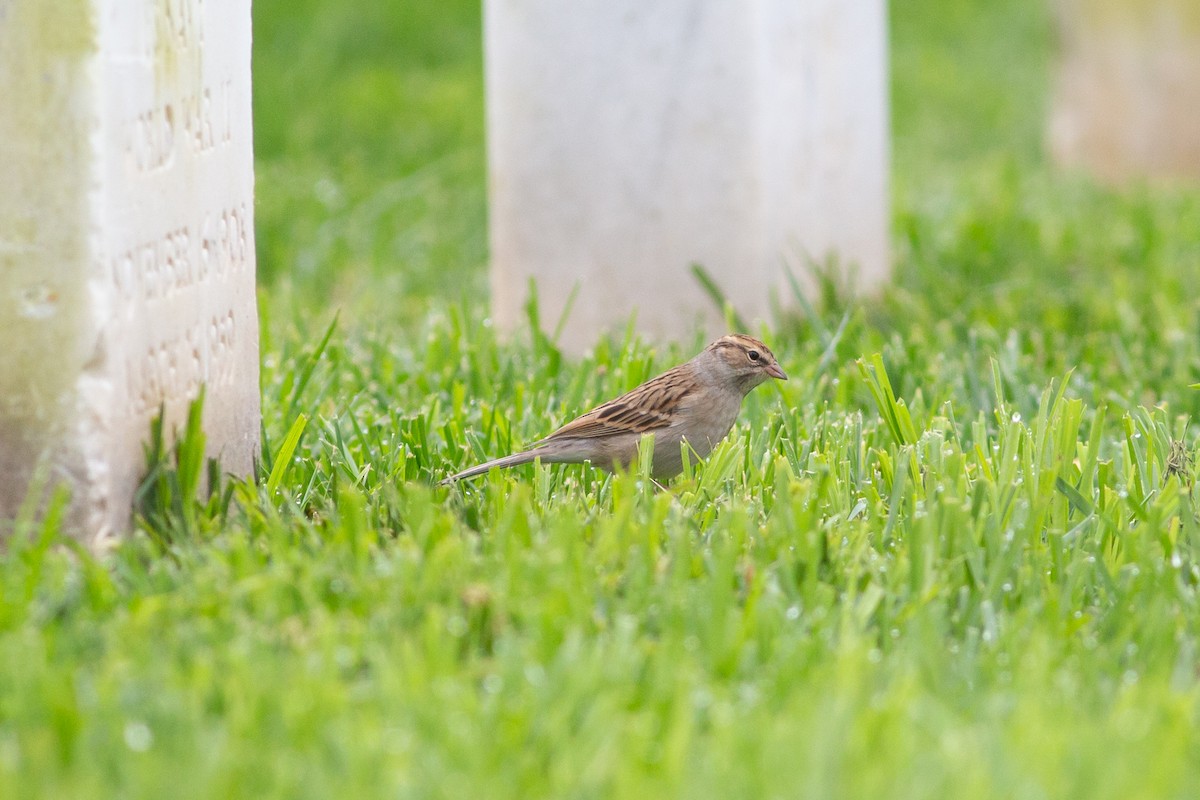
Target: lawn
x=956, y=555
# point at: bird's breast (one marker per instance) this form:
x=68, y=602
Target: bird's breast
x=707, y=422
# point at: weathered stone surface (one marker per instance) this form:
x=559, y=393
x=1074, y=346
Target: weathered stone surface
x=1126, y=101
x=628, y=140
x=126, y=242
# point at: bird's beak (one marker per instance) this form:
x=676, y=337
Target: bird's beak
x=775, y=372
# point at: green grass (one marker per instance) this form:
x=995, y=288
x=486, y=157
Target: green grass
x=956, y=555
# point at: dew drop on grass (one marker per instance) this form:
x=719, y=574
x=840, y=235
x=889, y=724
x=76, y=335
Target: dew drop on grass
x=535, y=674
x=344, y=657
x=1006, y=587
x=1016, y=417
x=793, y=612
x=1176, y=560
x=138, y=736
x=456, y=626
x=328, y=193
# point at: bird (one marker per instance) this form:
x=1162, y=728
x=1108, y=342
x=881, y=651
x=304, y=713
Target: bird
x=697, y=402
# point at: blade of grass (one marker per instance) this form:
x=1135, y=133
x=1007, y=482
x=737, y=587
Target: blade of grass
x=284, y=458
x=719, y=298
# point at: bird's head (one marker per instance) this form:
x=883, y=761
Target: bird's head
x=748, y=361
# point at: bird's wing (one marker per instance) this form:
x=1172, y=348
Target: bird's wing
x=648, y=408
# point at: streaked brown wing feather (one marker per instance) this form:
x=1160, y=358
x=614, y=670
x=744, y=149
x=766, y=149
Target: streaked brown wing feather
x=645, y=409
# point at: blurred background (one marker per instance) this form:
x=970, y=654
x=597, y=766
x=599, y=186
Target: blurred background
x=371, y=173
x=370, y=152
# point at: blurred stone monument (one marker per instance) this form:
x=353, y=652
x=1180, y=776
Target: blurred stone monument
x=126, y=243
x=1126, y=100
x=629, y=140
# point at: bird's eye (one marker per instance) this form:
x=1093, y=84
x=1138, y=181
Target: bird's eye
x=753, y=355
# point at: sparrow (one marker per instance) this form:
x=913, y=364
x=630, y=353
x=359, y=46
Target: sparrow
x=696, y=402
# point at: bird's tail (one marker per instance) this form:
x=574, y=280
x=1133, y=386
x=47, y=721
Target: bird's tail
x=499, y=463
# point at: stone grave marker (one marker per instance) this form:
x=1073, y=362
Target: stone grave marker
x=126, y=243
x=1126, y=99
x=629, y=140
